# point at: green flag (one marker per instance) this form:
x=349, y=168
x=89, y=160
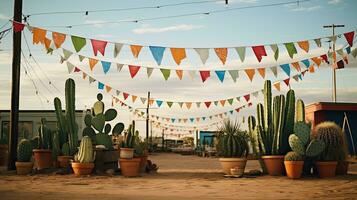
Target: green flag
x=290, y=47
x=78, y=42
x=275, y=49
x=230, y=101
x=169, y=103
x=165, y=73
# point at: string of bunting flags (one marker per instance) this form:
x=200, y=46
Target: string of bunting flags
x=178, y=54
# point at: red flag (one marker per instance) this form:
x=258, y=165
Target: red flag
x=18, y=26
x=247, y=97
x=349, y=37
x=286, y=81
x=76, y=69
x=125, y=95
x=324, y=57
x=259, y=52
x=205, y=75
x=208, y=103
x=98, y=45
x=340, y=64
x=250, y=104
x=133, y=70
x=345, y=58
x=237, y=109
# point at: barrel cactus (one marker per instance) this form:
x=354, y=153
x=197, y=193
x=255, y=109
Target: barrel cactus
x=24, y=151
x=85, y=153
x=293, y=156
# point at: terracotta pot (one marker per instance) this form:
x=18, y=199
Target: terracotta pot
x=326, y=169
x=229, y=163
x=63, y=161
x=342, y=167
x=43, y=158
x=143, y=160
x=274, y=164
x=82, y=168
x=23, y=168
x=294, y=168
x=127, y=153
x=4, y=148
x=130, y=167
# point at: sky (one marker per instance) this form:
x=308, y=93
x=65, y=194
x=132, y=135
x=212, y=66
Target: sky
x=245, y=27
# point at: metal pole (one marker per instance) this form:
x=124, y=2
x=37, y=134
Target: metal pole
x=333, y=26
x=15, y=88
x=147, y=117
x=163, y=139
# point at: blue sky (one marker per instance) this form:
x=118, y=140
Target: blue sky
x=235, y=28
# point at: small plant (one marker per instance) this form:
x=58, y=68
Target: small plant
x=85, y=153
x=140, y=146
x=24, y=151
x=293, y=156
x=129, y=137
x=232, y=141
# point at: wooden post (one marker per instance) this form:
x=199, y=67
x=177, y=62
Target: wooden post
x=147, y=118
x=15, y=88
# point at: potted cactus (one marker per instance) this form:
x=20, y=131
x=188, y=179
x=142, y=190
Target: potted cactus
x=43, y=153
x=303, y=148
x=270, y=132
x=24, y=154
x=84, y=160
x=232, y=147
x=331, y=134
x=67, y=134
x=140, y=151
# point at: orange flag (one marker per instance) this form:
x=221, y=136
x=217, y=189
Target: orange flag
x=92, y=63
x=222, y=54
x=133, y=98
x=304, y=45
x=151, y=101
x=222, y=102
x=311, y=69
x=135, y=49
x=317, y=61
x=250, y=73
x=188, y=105
x=179, y=73
x=108, y=88
x=277, y=86
x=39, y=35
x=178, y=54
x=47, y=43
x=58, y=39
x=262, y=72
x=296, y=65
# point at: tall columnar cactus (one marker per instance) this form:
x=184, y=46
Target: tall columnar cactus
x=56, y=148
x=289, y=120
x=300, y=111
x=68, y=128
x=129, y=139
x=24, y=151
x=44, y=133
x=85, y=153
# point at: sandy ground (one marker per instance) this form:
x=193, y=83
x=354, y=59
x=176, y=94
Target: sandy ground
x=179, y=177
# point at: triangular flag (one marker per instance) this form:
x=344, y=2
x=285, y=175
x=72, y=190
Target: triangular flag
x=169, y=103
x=277, y=85
x=348, y=50
x=84, y=75
x=100, y=86
x=340, y=52
x=198, y=104
x=275, y=49
x=261, y=72
x=215, y=103
x=76, y=69
x=306, y=63
x=340, y=64
x=203, y=53
x=165, y=73
x=157, y=52
x=304, y=45
x=296, y=77
x=98, y=45
x=188, y=104
x=192, y=74
x=78, y=42
x=222, y=102
x=66, y=54
x=81, y=58
x=58, y=39
x=149, y=71
x=159, y=103
x=296, y=65
x=290, y=47
x=287, y=81
x=354, y=52
x=274, y=70
x=286, y=68
x=117, y=92
x=106, y=66
x=222, y=54
x=255, y=94
x=70, y=67
x=119, y=67
x=143, y=100
x=312, y=69
x=178, y=54
x=333, y=38
x=91, y=79
x=133, y=98
x=47, y=43
x=135, y=50
x=230, y=101
x=349, y=37
x=179, y=73
x=247, y=97
x=250, y=73
x=180, y=104
x=38, y=35
x=324, y=57
x=241, y=53
x=234, y=74
x=92, y=63
x=220, y=75
x=133, y=70
x=191, y=119
x=208, y=104
x=259, y=52
x=317, y=61
x=108, y=88
x=125, y=95
x=18, y=26
x=205, y=75
x=318, y=42
x=117, y=49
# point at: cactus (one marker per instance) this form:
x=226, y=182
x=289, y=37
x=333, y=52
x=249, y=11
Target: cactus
x=293, y=156
x=44, y=133
x=128, y=141
x=65, y=149
x=98, y=107
x=85, y=153
x=289, y=120
x=296, y=144
x=35, y=142
x=315, y=148
x=104, y=139
x=24, y=151
x=56, y=150
x=300, y=111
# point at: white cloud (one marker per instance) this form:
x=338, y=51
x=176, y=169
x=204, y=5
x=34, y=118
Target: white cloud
x=308, y=9
x=95, y=23
x=334, y=2
x=4, y=17
x=181, y=27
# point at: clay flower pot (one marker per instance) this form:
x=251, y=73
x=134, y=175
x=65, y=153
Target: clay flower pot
x=326, y=169
x=23, y=168
x=63, y=161
x=342, y=167
x=274, y=164
x=143, y=160
x=43, y=158
x=236, y=163
x=294, y=168
x=82, y=168
x=126, y=153
x=130, y=167
x=4, y=148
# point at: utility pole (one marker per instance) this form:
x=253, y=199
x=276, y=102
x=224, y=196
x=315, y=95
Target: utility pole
x=15, y=87
x=333, y=26
x=147, y=117
x=163, y=139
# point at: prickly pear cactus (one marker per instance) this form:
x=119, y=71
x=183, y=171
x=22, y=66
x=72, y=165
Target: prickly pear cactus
x=104, y=139
x=302, y=130
x=98, y=107
x=24, y=151
x=315, y=148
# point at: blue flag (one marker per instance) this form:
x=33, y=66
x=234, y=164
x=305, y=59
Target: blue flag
x=191, y=119
x=106, y=66
x=173, y=120
x=158, y=102
x=306, y=63
x=157, y=53
x=220, y=75
x=286, y=68
x=100, y=85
